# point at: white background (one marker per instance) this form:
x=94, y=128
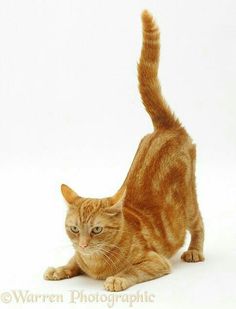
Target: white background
x=70, y=112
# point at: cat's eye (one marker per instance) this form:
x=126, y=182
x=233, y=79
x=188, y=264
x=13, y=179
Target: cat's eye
x=97, y=230
x=74, y=229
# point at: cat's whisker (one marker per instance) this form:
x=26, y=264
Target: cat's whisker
x=106, y=256
x=100, y=248
x=117, y=256
x=119, y=253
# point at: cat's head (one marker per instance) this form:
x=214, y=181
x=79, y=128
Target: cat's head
x=92, y=224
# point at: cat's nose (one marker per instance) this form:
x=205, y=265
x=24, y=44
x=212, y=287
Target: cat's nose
x=83, y=241
x=83, y=245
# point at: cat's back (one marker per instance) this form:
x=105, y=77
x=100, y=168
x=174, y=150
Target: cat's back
x=158, y=154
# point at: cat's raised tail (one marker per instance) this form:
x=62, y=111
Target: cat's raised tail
x=149, y=86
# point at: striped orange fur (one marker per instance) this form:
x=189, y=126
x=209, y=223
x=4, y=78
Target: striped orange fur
x=129, y=237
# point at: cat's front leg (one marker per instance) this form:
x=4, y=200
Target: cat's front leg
x=71, y=269
x=153, y=266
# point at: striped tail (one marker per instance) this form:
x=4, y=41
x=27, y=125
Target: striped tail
x=149, y=85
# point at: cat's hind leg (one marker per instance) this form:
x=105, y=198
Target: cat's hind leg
x=194, y=220
x=195, y=249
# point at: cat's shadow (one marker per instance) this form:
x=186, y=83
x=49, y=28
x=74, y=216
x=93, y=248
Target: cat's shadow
x=77, y=283
x=176, y=261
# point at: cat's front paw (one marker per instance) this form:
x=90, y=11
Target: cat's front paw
x=192, y=256
x=115, y=284
x=57, y=273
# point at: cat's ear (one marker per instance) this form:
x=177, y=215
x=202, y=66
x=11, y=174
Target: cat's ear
x=69, y=195
x=116, y=209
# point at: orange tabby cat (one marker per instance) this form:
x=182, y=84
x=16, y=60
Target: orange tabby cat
x=128, y=238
